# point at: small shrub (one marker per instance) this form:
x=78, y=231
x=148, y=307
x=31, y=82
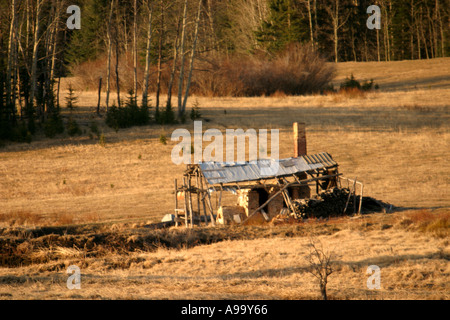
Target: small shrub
x=94, y=128
x=195, y=112
x=183, y=118
x=351, y=93
x=163, y=139
x=54, y=125
x=129, y=115
x=102, y=140
x=352, y=83
x=71, y=99
x=166, y=117
x=367, y=85
x=21, y=134
x=73, y=128
x=439, y=227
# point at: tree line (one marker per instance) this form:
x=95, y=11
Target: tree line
x=170, y=43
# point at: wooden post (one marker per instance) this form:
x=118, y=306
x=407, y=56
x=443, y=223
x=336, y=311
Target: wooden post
x=220, y=195
x=299, y=139
x=354, y=196
x=185, y=204
x=176, y=203
x=99, y=94
x=360, y=199
x=286, y=196
x=198, y=198
x=213, y=221
x=191, y=210
x=203, y=200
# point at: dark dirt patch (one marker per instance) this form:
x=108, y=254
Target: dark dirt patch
x=21, y=247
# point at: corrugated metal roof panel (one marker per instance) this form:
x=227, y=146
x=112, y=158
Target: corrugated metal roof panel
x=219, y=172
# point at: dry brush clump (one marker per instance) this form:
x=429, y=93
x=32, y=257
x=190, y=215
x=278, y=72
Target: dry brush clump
x=89, y=72
x=434, y=222
x=320, y=264
x=297, y=70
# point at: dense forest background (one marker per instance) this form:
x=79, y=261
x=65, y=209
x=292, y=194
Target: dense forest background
x=210, y=47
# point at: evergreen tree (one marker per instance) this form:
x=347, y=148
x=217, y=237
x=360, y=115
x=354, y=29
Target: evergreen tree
x=88, y=42
x=285, y=25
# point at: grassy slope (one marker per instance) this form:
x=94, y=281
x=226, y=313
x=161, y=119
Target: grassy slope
x=396, y=141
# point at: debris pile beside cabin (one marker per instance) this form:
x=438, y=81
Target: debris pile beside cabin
x=336, y=202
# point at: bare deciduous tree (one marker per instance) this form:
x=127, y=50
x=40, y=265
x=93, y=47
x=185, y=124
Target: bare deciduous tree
x=108, y=67
x=35, y=53
x=320, y=264
x=147, y=56
x=334, y=12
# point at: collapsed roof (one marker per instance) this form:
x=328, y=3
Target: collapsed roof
x=223, y=172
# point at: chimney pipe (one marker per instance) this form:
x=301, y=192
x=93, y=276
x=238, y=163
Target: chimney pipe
x=299, y=139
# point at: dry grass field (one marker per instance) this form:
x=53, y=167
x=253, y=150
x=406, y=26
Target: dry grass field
x=85, y=202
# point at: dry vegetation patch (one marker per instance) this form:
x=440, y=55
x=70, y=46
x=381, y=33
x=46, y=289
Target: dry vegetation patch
x=266, y=262
x=85, y=202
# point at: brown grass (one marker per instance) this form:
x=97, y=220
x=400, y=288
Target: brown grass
x=346, y=94
x=72, y=201
x=297, y=70
x=262, y=263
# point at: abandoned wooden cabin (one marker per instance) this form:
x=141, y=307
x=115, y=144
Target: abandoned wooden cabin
x=227, y=193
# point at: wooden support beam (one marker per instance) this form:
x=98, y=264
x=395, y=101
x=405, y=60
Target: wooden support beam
x=176, y=203
x=213, y=221
x=286, y=196
x=220, y=195
x=303, y=182
x=185, y=205
x=200, y=181
x=198, y=197
x=191, y=210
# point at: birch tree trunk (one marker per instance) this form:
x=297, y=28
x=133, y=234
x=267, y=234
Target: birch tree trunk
x=441, y=28
x=378, y=46
x=11, y=49
x=333, y=11
x=35, y=57
x=117, y=56
x=135, y=49
x=158, y=78
x=147, y=58
x=174, y=67
x=311, y=34
x=55, y=41
x=182, y=53
x=418, y=40
x=191, y=63
x=108, y=67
